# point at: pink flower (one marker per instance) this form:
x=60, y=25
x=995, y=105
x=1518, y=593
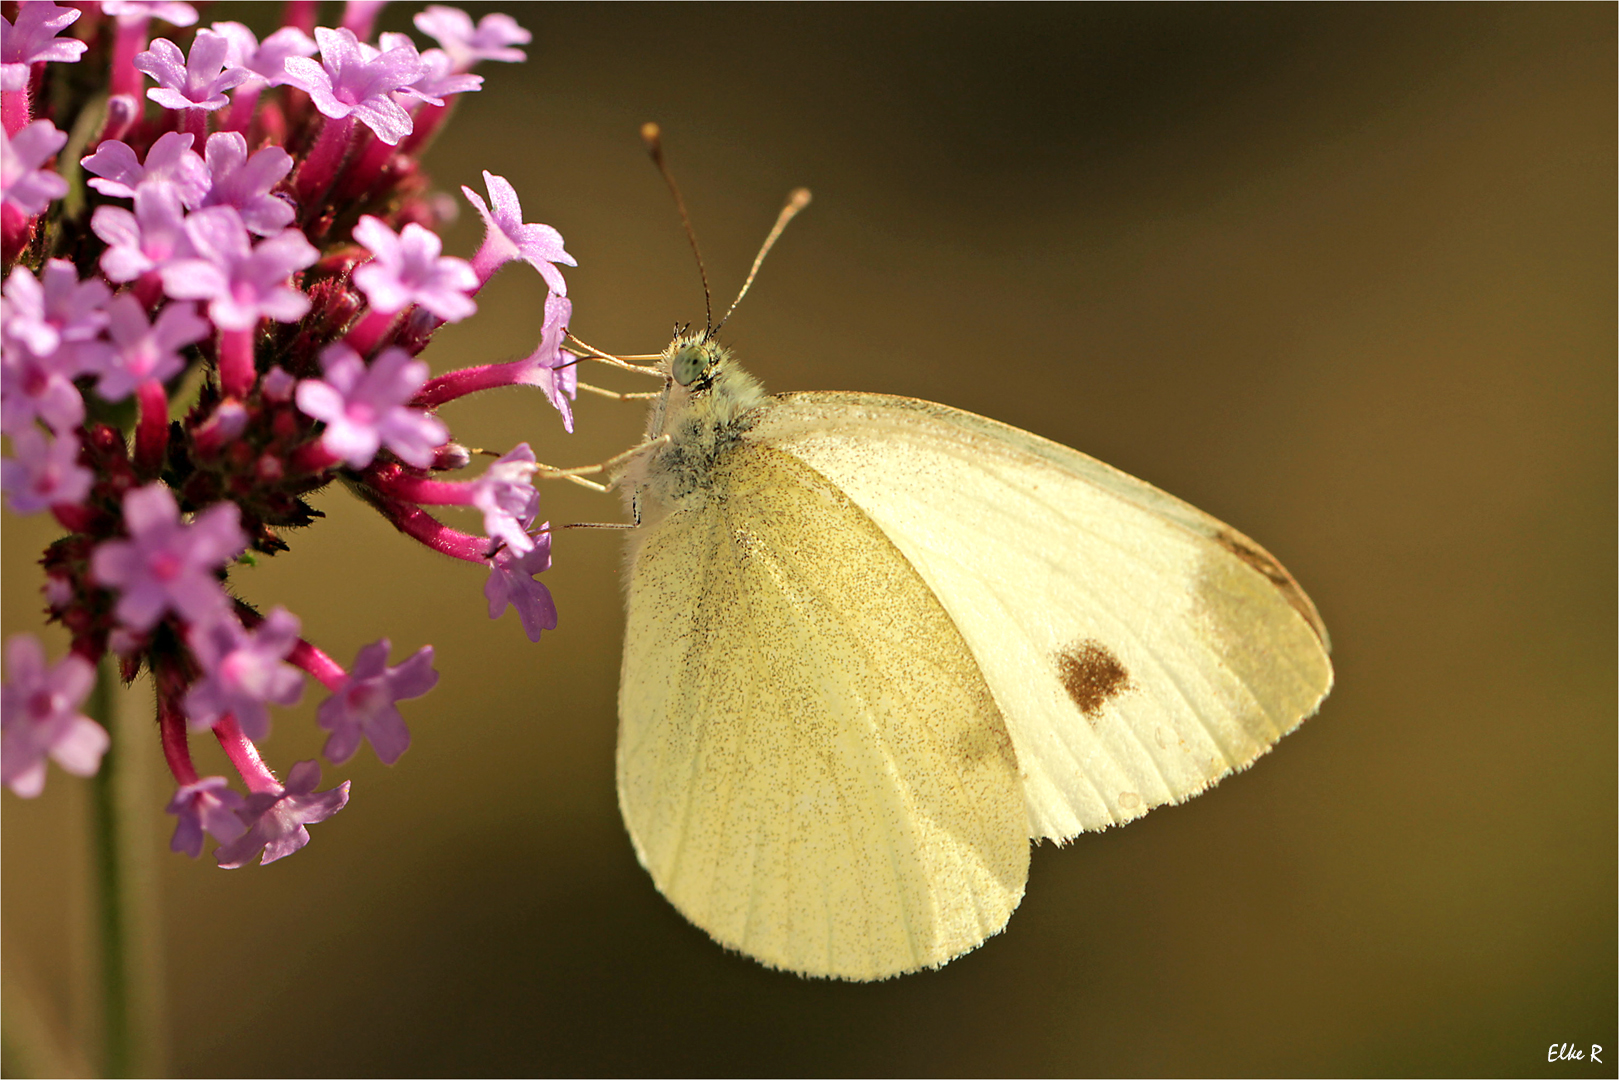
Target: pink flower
x=59, y=311
x=363, y=706
x=347, y=82
x=32, y=39
x=37, y=388
x=511, y=584
x=507, y=237
x=39, y=717
x=45, y=473
x=508, y=499
x=491, y=39
x=242, y=284
x=276, y=820
x=407, y=268
x=145, y=240
x=167, y=565
x=245, y=182
x=210, y=806
x=548, y=367
x=242, y=671
x=172, y=12
x=170, y=161
x=198, y=81
x=364, y=408
x=25, y=183
x=144, y=350
x=266, y=60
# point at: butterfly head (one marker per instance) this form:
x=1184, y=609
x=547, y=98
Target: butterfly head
x=695, y=360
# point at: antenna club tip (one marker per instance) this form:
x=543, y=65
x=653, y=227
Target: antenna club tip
x=800, y=198
x=651, y=133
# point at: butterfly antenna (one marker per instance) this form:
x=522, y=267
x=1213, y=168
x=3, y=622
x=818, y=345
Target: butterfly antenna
x=795, y=202
x=652, y=135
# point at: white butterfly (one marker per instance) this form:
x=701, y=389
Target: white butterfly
x=876, y=645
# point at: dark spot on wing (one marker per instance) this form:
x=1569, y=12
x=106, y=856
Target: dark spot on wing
x=1092, y=676
x=1274, y=572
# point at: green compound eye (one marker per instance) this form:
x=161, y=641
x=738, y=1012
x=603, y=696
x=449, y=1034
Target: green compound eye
x=689, y=364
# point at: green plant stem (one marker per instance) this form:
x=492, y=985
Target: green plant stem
x=124, y=891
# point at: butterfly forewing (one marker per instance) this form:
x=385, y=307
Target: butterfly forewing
x=810, y=763
x=1138, y=648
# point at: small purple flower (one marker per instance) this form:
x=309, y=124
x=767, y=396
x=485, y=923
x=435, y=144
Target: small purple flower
x=39, y=717
x=45, y=472
x=244, y=182
x=167, y=565
x=491, y=39
x=242, y=670
x=145, y=240
x=508, y=237
x=364, y=407
x=347, y=82
x=170, y=161
x=144, y=350
x=363, y=706
x=195, y=82
x=511, y=583
x=407, y=268
x=25, y=183
x=59, y=311
x=508, y=500
x=242, y=284
x=172, y=12
x=276, y=820
x=555, y=372
x=210, y=806
x=267, y=59
x=440, y=80
x=37, y=388
x=32, y=39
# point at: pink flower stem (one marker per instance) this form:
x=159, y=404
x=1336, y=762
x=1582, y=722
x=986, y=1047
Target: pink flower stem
x=243, y=103
x=455, y=384
x=426, y=122
x=370, y=155
x=418, y=524
x=152, y=430
x=372, y=327
x=323, y=667
x=302, y=14
x=420, y=490
x=14, y=110
x=245, y=756
x=195, y=122
x=171, y=724
x=16, y=229
x=129, y=43
x=490, y=258
x=236, y=371
x=323, y=161
x=360, y=18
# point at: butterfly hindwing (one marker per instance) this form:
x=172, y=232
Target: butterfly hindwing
x=810, y=764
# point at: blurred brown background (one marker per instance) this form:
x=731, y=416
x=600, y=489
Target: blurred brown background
x=1342, y=276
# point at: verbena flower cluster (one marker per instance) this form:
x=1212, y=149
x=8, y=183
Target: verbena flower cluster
x=199, y=222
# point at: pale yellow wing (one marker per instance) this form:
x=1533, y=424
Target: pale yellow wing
x=1138, y=648
x=809, y=763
